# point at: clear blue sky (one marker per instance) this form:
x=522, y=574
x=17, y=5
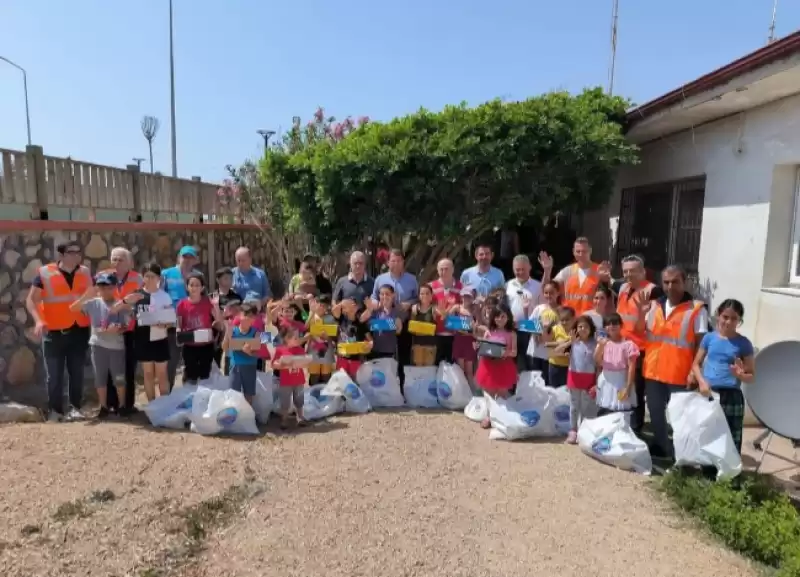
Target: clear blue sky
x=96, y=66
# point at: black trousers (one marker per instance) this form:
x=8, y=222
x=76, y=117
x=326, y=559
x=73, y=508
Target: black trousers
x=197, y=362
x=130, y=377
x=524, y=362
x=444, y=349
x=637, y=418
x=64, y=355
x=403, y=353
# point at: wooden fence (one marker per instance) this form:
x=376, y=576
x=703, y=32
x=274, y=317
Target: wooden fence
x=31, y=179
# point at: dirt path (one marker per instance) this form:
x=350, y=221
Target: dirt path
x=390, y=494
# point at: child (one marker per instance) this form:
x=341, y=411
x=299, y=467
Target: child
x=197, y=312
x=423, y=348
x=321, y=348
x=151, y=343
x=724, y=360
x=384, y=343
x=243, y=363
x=581, y=376
x=464, y=342
x=497, y=377
x=557, y=339
x=351, y=330
x=616, y=356
x=226, y=300
x=260, y=324
x=291, y=379
x=106, y=342
x=545, y=314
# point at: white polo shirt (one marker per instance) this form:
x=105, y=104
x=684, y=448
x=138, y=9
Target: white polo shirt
x=517, y=292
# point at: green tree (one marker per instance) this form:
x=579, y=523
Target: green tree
x=445, y=178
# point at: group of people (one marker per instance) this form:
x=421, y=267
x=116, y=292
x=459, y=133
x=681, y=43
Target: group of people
x=616, y=344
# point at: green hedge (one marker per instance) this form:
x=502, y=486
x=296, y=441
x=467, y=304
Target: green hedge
x=749, y=514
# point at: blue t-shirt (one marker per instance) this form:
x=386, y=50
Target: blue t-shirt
x=721, y=353
x=483, y=283
x=241, y=358
x=174, y=284
x=254, y=280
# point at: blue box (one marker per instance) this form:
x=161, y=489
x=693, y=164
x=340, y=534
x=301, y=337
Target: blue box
x=530, y=326
x=382, y=325
x=457, y=323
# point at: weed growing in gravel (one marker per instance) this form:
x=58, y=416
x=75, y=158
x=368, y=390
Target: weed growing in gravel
x=749, y=514
x=70, y=510
x=29, y=530
x=103, y=496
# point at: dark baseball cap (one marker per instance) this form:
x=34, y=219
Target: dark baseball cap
x=106, y=279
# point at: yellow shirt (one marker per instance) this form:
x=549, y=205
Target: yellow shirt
x=559, y=336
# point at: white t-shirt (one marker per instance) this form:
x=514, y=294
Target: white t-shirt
x=566, y=272
x=530, y=289
x=700, y=321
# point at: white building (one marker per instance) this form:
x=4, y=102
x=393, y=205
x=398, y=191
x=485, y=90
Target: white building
x=717, y=189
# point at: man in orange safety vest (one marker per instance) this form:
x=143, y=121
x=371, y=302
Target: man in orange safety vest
x=580, y=280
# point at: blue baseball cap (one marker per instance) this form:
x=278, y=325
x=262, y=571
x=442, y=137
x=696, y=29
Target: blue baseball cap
x=106, y=279
x=188, y=251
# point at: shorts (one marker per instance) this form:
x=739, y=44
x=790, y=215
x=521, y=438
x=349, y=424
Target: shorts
x=152, y=351
x=243, y=379
x=323, y=369
x=289, y=396
x=423, y=355
x=108, y=362
x=349, y=364
x=557, y=376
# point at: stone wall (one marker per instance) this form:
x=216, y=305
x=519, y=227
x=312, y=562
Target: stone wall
x=22, y=252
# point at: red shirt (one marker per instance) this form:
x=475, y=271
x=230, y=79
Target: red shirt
x=449, y=296
x=195, y=316
x=299, y=325
x=290, y=377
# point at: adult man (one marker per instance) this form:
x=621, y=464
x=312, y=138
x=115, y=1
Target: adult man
x=630, y=292
x=357, y=285
x=483, y=276
x=406, y=294
x=173, y=280
x=580, y=280
x=248, y=279
x=446, y=294
x=522, y=293
x=128, y=281
x=64, y=333
x=674, y=325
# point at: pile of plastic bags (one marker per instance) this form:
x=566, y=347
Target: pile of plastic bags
x=444, y=386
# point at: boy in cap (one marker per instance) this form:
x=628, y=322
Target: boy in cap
x=106, y=341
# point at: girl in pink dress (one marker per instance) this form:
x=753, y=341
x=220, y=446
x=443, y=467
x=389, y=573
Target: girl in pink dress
x=498, y=376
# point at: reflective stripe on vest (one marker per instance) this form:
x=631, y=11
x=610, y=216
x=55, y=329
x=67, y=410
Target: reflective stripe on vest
x=668, y=358
x=579, y=296
x=133, y=282
x=55, y=303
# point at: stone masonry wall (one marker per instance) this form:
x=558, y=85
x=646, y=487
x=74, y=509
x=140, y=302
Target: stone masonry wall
x=22, y=253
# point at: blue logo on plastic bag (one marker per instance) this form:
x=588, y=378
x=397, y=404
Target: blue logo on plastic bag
x=186, y=403
x=352, y=391
x=561, y=413
x=433, y=388
x=317, y=394
x=601, y=446
x=563, y=427
x=377, y=379
x=444, y=390
x=226, y=417
x=530, y=418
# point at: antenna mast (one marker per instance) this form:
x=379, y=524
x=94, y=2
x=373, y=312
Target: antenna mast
x=614, y=18
x=771, y=38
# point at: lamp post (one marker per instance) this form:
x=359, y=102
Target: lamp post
x=266, y=135
x=25, y=87
x=172, y=95
x=139, y=162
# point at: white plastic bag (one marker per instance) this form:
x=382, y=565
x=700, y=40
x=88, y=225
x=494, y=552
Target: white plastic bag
x=521, y=417
x=337, y=383
x=611, y=440
x=558, y=409
x=317, y=405
x=529, y=380
x=215, y=412
x=216, y=380
x=420, y=387
x=264, y=399
x=452, y=387
x=172, y=411
x=379, y=382
x=341, y=385
x=700, y=434
x=477, y=409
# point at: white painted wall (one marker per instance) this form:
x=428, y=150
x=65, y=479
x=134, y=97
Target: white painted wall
x=749, y=161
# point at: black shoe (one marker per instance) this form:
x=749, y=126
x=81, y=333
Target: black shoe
x=127, y=411
x=103, y=414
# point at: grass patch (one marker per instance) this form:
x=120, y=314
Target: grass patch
x=71, y=510
x=749, y=514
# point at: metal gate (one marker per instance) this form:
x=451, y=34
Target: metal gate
x=662, y=223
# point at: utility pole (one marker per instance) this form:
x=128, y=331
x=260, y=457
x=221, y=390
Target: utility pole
x=172, y=95
x=138, y=162
x=771, y=37
x=25, y=88
x=266, y=135
x=612, y=66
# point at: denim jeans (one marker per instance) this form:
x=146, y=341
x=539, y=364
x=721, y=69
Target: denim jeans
x=65, y=354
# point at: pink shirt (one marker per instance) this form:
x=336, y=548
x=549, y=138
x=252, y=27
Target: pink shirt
x=617, y=356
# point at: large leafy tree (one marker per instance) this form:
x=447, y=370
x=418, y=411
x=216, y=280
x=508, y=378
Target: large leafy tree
x=445, y=178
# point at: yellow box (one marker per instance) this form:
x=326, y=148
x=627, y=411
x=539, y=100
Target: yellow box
x=422, y=329
x=352, y=349
x=319, y=329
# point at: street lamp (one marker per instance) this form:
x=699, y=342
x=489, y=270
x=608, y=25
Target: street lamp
x=172, y=96
x=139, y=162
x=25, y=86
x=266, y=135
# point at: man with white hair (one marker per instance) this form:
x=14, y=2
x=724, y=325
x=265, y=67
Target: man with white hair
x=357, y=285
x=249, y=279
x=523, y=294
x=128, y=281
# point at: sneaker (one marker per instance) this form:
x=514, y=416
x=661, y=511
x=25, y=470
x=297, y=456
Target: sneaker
x=572, y=438
x=74, y=415
x=103, y=414
x=126, y=411
x=54, y=417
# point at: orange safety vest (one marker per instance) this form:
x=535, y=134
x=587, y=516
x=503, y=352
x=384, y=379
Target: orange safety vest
x=579, y=296
x=670, y=348
x=133, y=282
x=57, y=295
x=626, y=308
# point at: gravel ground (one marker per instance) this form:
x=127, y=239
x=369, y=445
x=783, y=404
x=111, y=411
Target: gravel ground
x=390, y=494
